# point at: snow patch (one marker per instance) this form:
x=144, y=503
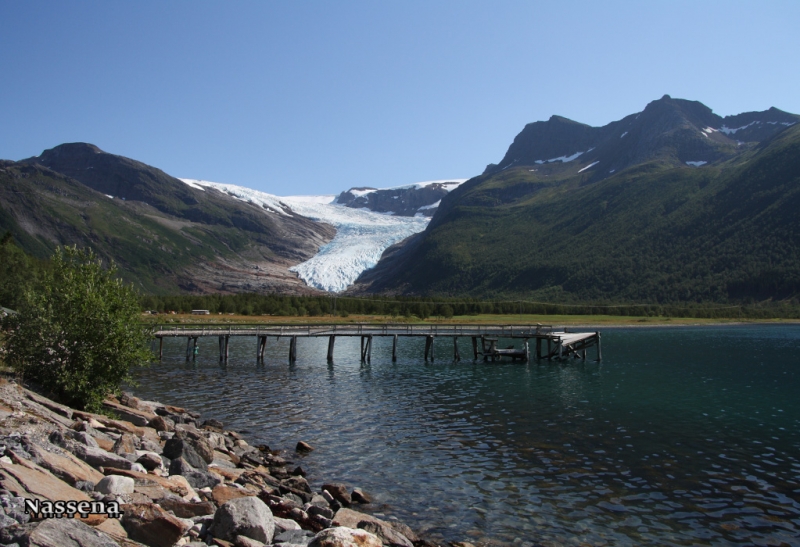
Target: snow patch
x=431, y=206
x=728, y=131
x=611, y=171
x=563, y=159
x=623, y=134
x=110, y=197
x=696, y=163
x=588, y=166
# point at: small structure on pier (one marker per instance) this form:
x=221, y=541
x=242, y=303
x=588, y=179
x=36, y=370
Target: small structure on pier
x=550, y=343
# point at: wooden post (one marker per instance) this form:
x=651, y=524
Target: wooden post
x=538, y=349
x=363, y=355
x=369, y=348
x=160, y=348
x=331, y=342
x=292, y=349
x=394, y=348
x=599, y=352
x=221, y=349
x=428, y=344
x=194, y=348
x=456, y=355
x=227, y=340
x=474, y=347
x=433, y=357
x=188, y=346
x=527, y=353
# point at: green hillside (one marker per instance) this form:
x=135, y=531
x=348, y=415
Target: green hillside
x=659, y=231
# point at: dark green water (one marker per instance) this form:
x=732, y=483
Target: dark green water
x=682, y=436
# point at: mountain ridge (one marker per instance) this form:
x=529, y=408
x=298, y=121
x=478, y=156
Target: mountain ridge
x=656, y=230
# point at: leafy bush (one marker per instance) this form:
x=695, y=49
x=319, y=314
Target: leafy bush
x=77, y=334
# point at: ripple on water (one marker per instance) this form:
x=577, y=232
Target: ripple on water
x=623, y=453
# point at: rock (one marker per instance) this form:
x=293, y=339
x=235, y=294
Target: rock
x=28, y=480
x=175, y=484
x=150, y=461
x=222, y=494
x=6, y=521
x=124, y=445
x=359, y=496
x=339, y=493
x=388, y=535
x=130, y=401
x=299, y=472
x=97, y=457
x=281, y=527
x=83, y=437
x=345, y=537
x=116, y=485
x=177, y=447
x=326, y=512
x=67, y=533
x=187, y=509
x=298, y=483
x=64, y=465
x=303, y=446
x=351, y=519
x=244, y=516
x=151, y=525
x=136, y=417
x=213, y=425
x=160, y=423
x=244, y=541
x=198, y=478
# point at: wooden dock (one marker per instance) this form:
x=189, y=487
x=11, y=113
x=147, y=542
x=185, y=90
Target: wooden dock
x=551, y=343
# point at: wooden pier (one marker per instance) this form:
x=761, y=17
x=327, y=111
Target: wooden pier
x=550, y=342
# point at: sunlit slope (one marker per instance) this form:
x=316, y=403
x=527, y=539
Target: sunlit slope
x=656, y=232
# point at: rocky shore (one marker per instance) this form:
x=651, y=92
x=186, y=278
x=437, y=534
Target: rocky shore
x=175, y=480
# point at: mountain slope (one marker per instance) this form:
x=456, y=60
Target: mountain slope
x=654, y=229
x=165, y=235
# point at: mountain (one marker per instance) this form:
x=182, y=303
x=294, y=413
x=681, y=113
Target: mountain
x=420, y=199
x=165, y=235
x=672, y=204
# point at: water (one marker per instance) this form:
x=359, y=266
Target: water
x=682, y=436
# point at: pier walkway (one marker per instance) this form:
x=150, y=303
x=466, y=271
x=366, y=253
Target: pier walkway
x=551, y=343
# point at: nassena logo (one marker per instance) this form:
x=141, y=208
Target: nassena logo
x=57, y=509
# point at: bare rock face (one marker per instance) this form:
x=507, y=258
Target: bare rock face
x=248, y=517
x=151, y=525
x=345, y=537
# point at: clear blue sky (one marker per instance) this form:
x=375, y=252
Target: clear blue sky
x=294, y=97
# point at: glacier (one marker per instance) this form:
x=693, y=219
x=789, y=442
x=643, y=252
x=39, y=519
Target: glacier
x=361, y=235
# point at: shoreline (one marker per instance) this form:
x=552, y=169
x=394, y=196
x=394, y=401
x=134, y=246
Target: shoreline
x=173, y=475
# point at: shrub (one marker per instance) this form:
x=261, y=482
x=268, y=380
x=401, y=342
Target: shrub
x=77, y=334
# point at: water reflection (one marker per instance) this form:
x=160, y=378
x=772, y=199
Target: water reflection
x=680, y=437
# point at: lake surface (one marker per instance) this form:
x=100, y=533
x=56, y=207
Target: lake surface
x=682, y=436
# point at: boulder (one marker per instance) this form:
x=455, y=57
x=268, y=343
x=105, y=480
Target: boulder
x=222, y=494
x=187, y=509
x=303, y=446
x=115, y=485
x=132, y=415
x=67, y=533
x=97, y=457
x=345, y=537
x=151, y=525
x=150, y=460
x=198, y=478
x=339, y=493
x=177, y=447
x=352, y=519
x=244, y=541
x=388, y=535
x=124, y=445
x=359, y=496
x=160, y=423
x=248, y=517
